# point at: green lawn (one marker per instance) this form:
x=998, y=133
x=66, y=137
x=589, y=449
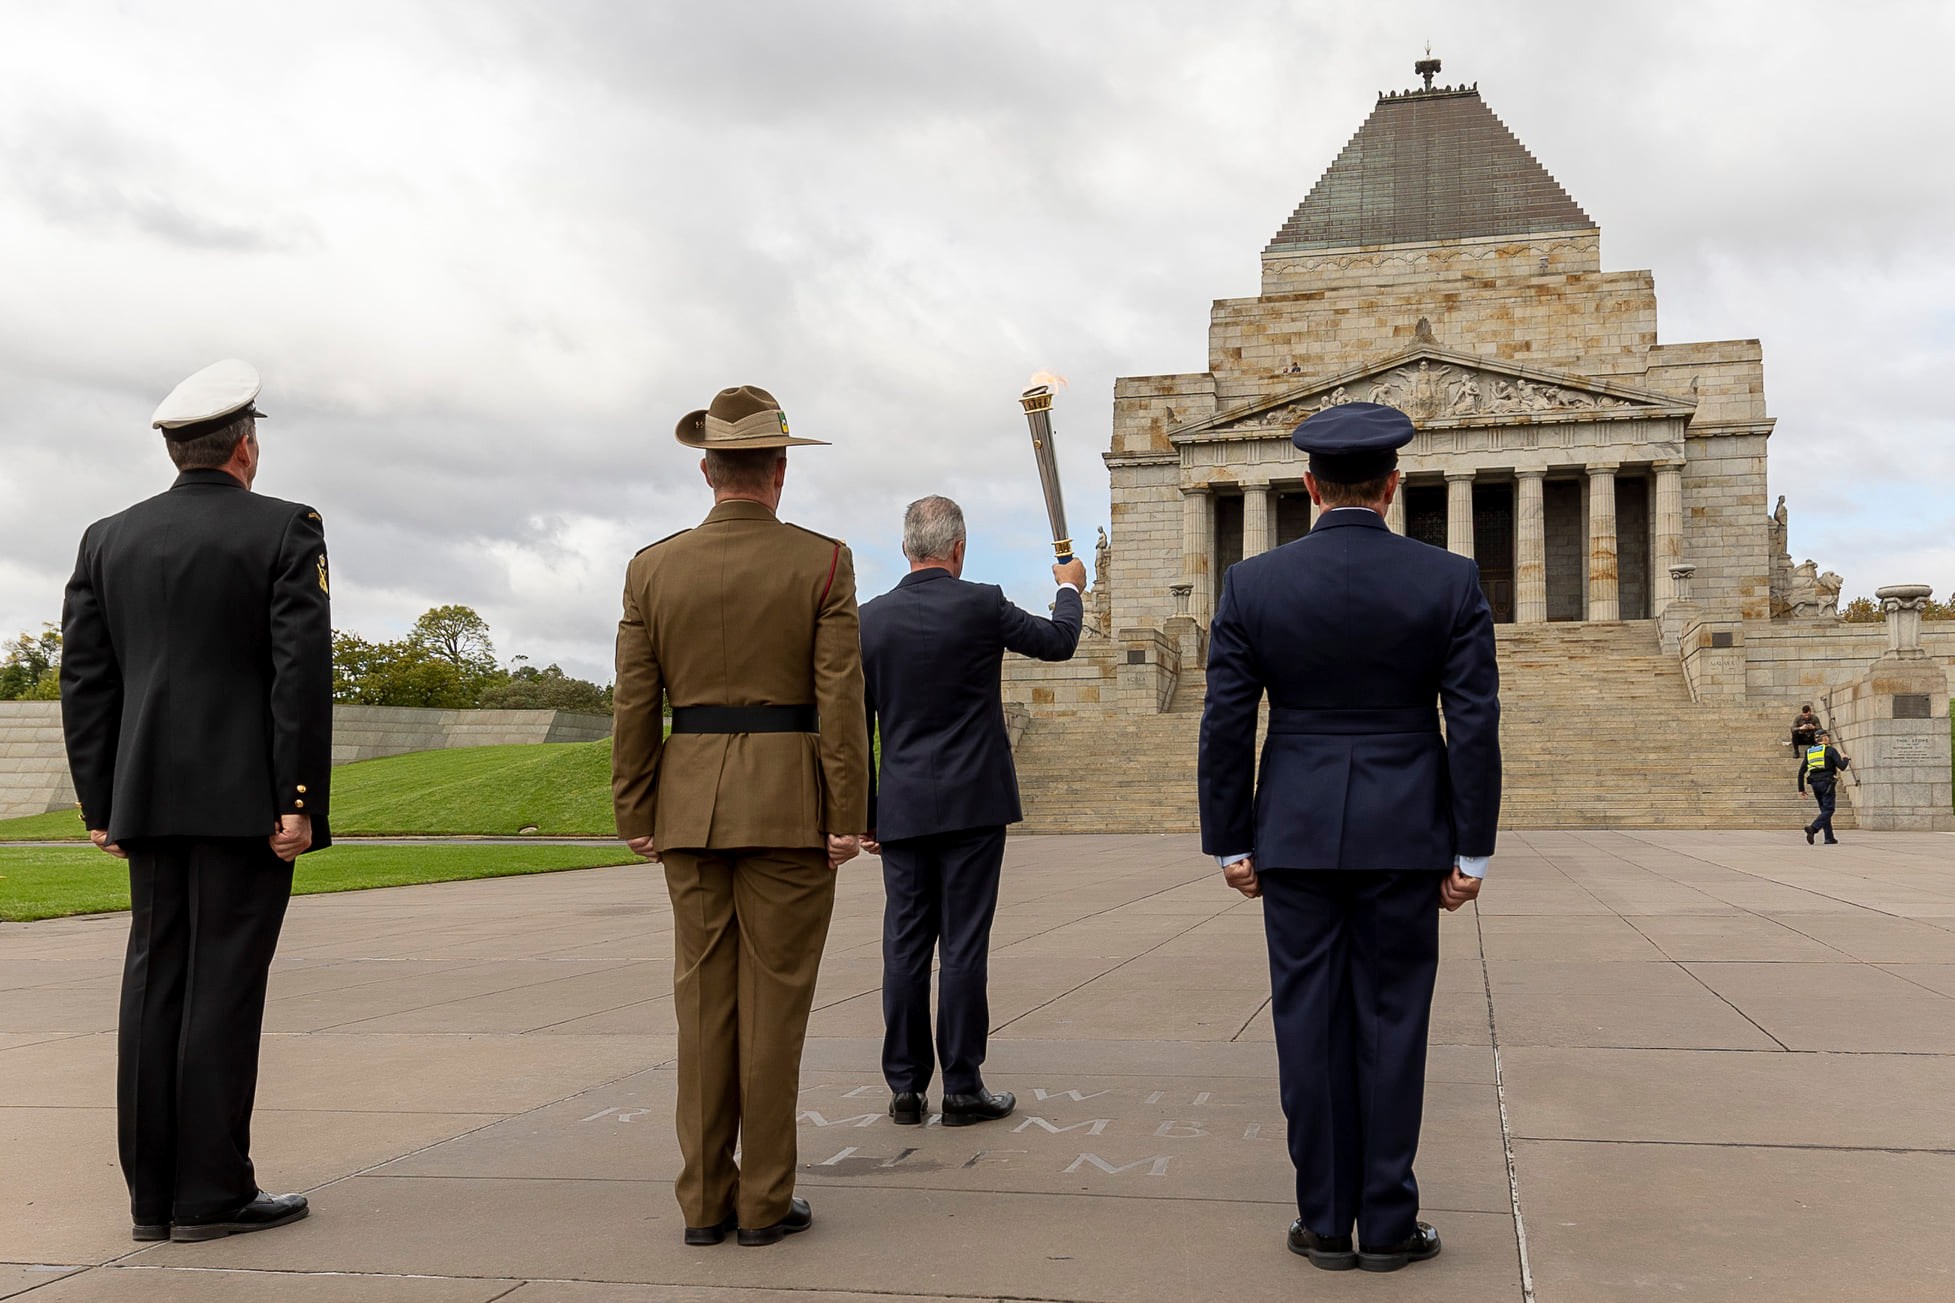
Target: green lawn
x=562, y=789
x=38, y=882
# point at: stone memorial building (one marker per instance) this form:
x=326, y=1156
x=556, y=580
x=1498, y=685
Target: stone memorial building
x=1611, y=486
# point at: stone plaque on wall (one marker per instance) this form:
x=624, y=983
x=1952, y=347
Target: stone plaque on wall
x=1911, y=705
x=1909, y=749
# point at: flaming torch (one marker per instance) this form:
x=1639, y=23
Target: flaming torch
x=1037, y=402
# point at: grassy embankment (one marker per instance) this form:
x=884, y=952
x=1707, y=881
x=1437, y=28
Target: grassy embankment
x=559, y=790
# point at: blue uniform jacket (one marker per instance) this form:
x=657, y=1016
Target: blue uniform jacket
x=931, y=651
x=1355, y=633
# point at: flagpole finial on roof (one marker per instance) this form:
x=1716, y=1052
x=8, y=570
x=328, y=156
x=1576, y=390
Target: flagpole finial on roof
x=1427, y=67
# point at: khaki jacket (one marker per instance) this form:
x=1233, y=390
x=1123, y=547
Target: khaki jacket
x=743, y=611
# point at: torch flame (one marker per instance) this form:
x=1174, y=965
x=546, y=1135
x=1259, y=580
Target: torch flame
x=1045, y=378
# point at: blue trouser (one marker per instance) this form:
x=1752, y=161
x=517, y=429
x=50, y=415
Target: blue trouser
x=1352, y=961
x=1824, y=791
x=941, y=894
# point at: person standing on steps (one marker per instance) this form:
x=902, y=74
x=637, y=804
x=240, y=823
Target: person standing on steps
x=1820, y=770
x=748, y=626
x=931, y=651
x=1363, y=823
x=197, y=701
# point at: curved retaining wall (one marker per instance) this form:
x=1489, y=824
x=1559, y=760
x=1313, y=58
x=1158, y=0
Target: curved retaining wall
x=34, y=764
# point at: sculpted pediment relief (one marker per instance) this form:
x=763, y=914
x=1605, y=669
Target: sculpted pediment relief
x=1439, y=389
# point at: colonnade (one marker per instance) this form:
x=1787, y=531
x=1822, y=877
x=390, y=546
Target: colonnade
x=1530, y=535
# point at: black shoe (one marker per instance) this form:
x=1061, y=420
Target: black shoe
x=700, y=1236
x=985, y=1106
x=1421, y=1244
x=906, y=1109
x=141, y=1232
x=799, y=1218
x=1330, y=1252
x=1809, y=835
x=261, y=1214
x=1832, y=841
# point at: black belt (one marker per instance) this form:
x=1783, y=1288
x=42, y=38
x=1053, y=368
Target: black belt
x=1408, y=719
x=745, y=719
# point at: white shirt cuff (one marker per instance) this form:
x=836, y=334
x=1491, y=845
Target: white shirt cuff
x=1073, y=586
x=1473, y=866
x=1226, y=860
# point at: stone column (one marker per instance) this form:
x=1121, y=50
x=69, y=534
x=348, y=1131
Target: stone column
x=1395, y=514
x=1255, y=519
x=1459, y=512
x=1530, y=551
x=1197, y=541
x=1604, y=603
x=1669, y=533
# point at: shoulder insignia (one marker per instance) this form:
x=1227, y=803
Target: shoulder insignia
x=667, y=539
x=823, y=537
x=313, y=515
x=322, y=576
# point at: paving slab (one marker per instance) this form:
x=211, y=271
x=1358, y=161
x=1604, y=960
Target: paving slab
x=1708, y=1043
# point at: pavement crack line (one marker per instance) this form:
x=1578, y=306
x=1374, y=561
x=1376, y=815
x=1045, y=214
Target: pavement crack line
x=1506, y=1129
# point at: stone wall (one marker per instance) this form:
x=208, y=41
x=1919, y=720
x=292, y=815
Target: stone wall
x=1796, y=661
x=1725, y=528
x=34, y=761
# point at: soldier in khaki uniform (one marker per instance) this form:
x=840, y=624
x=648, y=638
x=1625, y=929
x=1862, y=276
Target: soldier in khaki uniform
x=748, y=627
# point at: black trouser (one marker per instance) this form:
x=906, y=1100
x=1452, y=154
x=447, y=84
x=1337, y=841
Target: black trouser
x=942, y=891
x=1352, y=960
x=1824, y=791
x=205, y=922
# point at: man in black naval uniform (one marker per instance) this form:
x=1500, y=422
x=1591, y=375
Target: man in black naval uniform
x=1364, y=822
x=931, y=651
x=196, y=695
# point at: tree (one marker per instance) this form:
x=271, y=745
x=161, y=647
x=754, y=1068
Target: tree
x=459, y=636
x=30, y=670
x=528, y=688
x=1865, y=610
x=404, y=673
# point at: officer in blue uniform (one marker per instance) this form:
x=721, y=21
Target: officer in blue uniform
x=1820, y=771
x=1363, y=823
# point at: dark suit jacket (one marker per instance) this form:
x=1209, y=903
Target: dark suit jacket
x=931, y=651
x=197, y=665
x=1354, y=632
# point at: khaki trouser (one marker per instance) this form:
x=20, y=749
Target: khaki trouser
x=748, y=928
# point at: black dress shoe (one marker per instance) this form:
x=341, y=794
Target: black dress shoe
x=261, y=1214
x=985, y=1106
x=906, y=1108
x=1330, y=1252
x=142, y=1232
x=799, y=1218
x=699, y=1236
x=1832, y=841
x=1809, y=835
x=1421, y=1244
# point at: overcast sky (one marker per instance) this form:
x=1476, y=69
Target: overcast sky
x=486, y=254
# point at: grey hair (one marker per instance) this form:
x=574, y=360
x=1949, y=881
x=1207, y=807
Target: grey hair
x=932, y=527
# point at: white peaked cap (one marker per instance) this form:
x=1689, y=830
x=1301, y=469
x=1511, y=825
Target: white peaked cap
x=218, y=390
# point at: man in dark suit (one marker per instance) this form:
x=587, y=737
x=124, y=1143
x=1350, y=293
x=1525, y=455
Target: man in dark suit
x=931, y=651
x=196, y=696
x=1364, y=822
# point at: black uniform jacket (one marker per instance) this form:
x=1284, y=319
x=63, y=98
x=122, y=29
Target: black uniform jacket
x=1828, y=770
x=196, y=665
x=931, y=651
x=1356, y=634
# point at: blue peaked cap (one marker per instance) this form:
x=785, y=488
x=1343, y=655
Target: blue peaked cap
x=1353, y=442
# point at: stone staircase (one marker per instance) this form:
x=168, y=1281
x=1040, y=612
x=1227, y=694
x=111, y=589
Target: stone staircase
x=1597, y=731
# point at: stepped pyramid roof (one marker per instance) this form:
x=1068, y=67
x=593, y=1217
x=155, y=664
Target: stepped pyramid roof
x=1430, y=165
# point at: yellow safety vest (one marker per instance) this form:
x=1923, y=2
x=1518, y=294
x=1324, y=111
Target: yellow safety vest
x=1815, y=759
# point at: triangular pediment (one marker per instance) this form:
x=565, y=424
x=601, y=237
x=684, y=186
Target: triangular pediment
x=1439, y=388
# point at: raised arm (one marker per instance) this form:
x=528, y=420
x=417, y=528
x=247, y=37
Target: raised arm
x=1046, y=640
